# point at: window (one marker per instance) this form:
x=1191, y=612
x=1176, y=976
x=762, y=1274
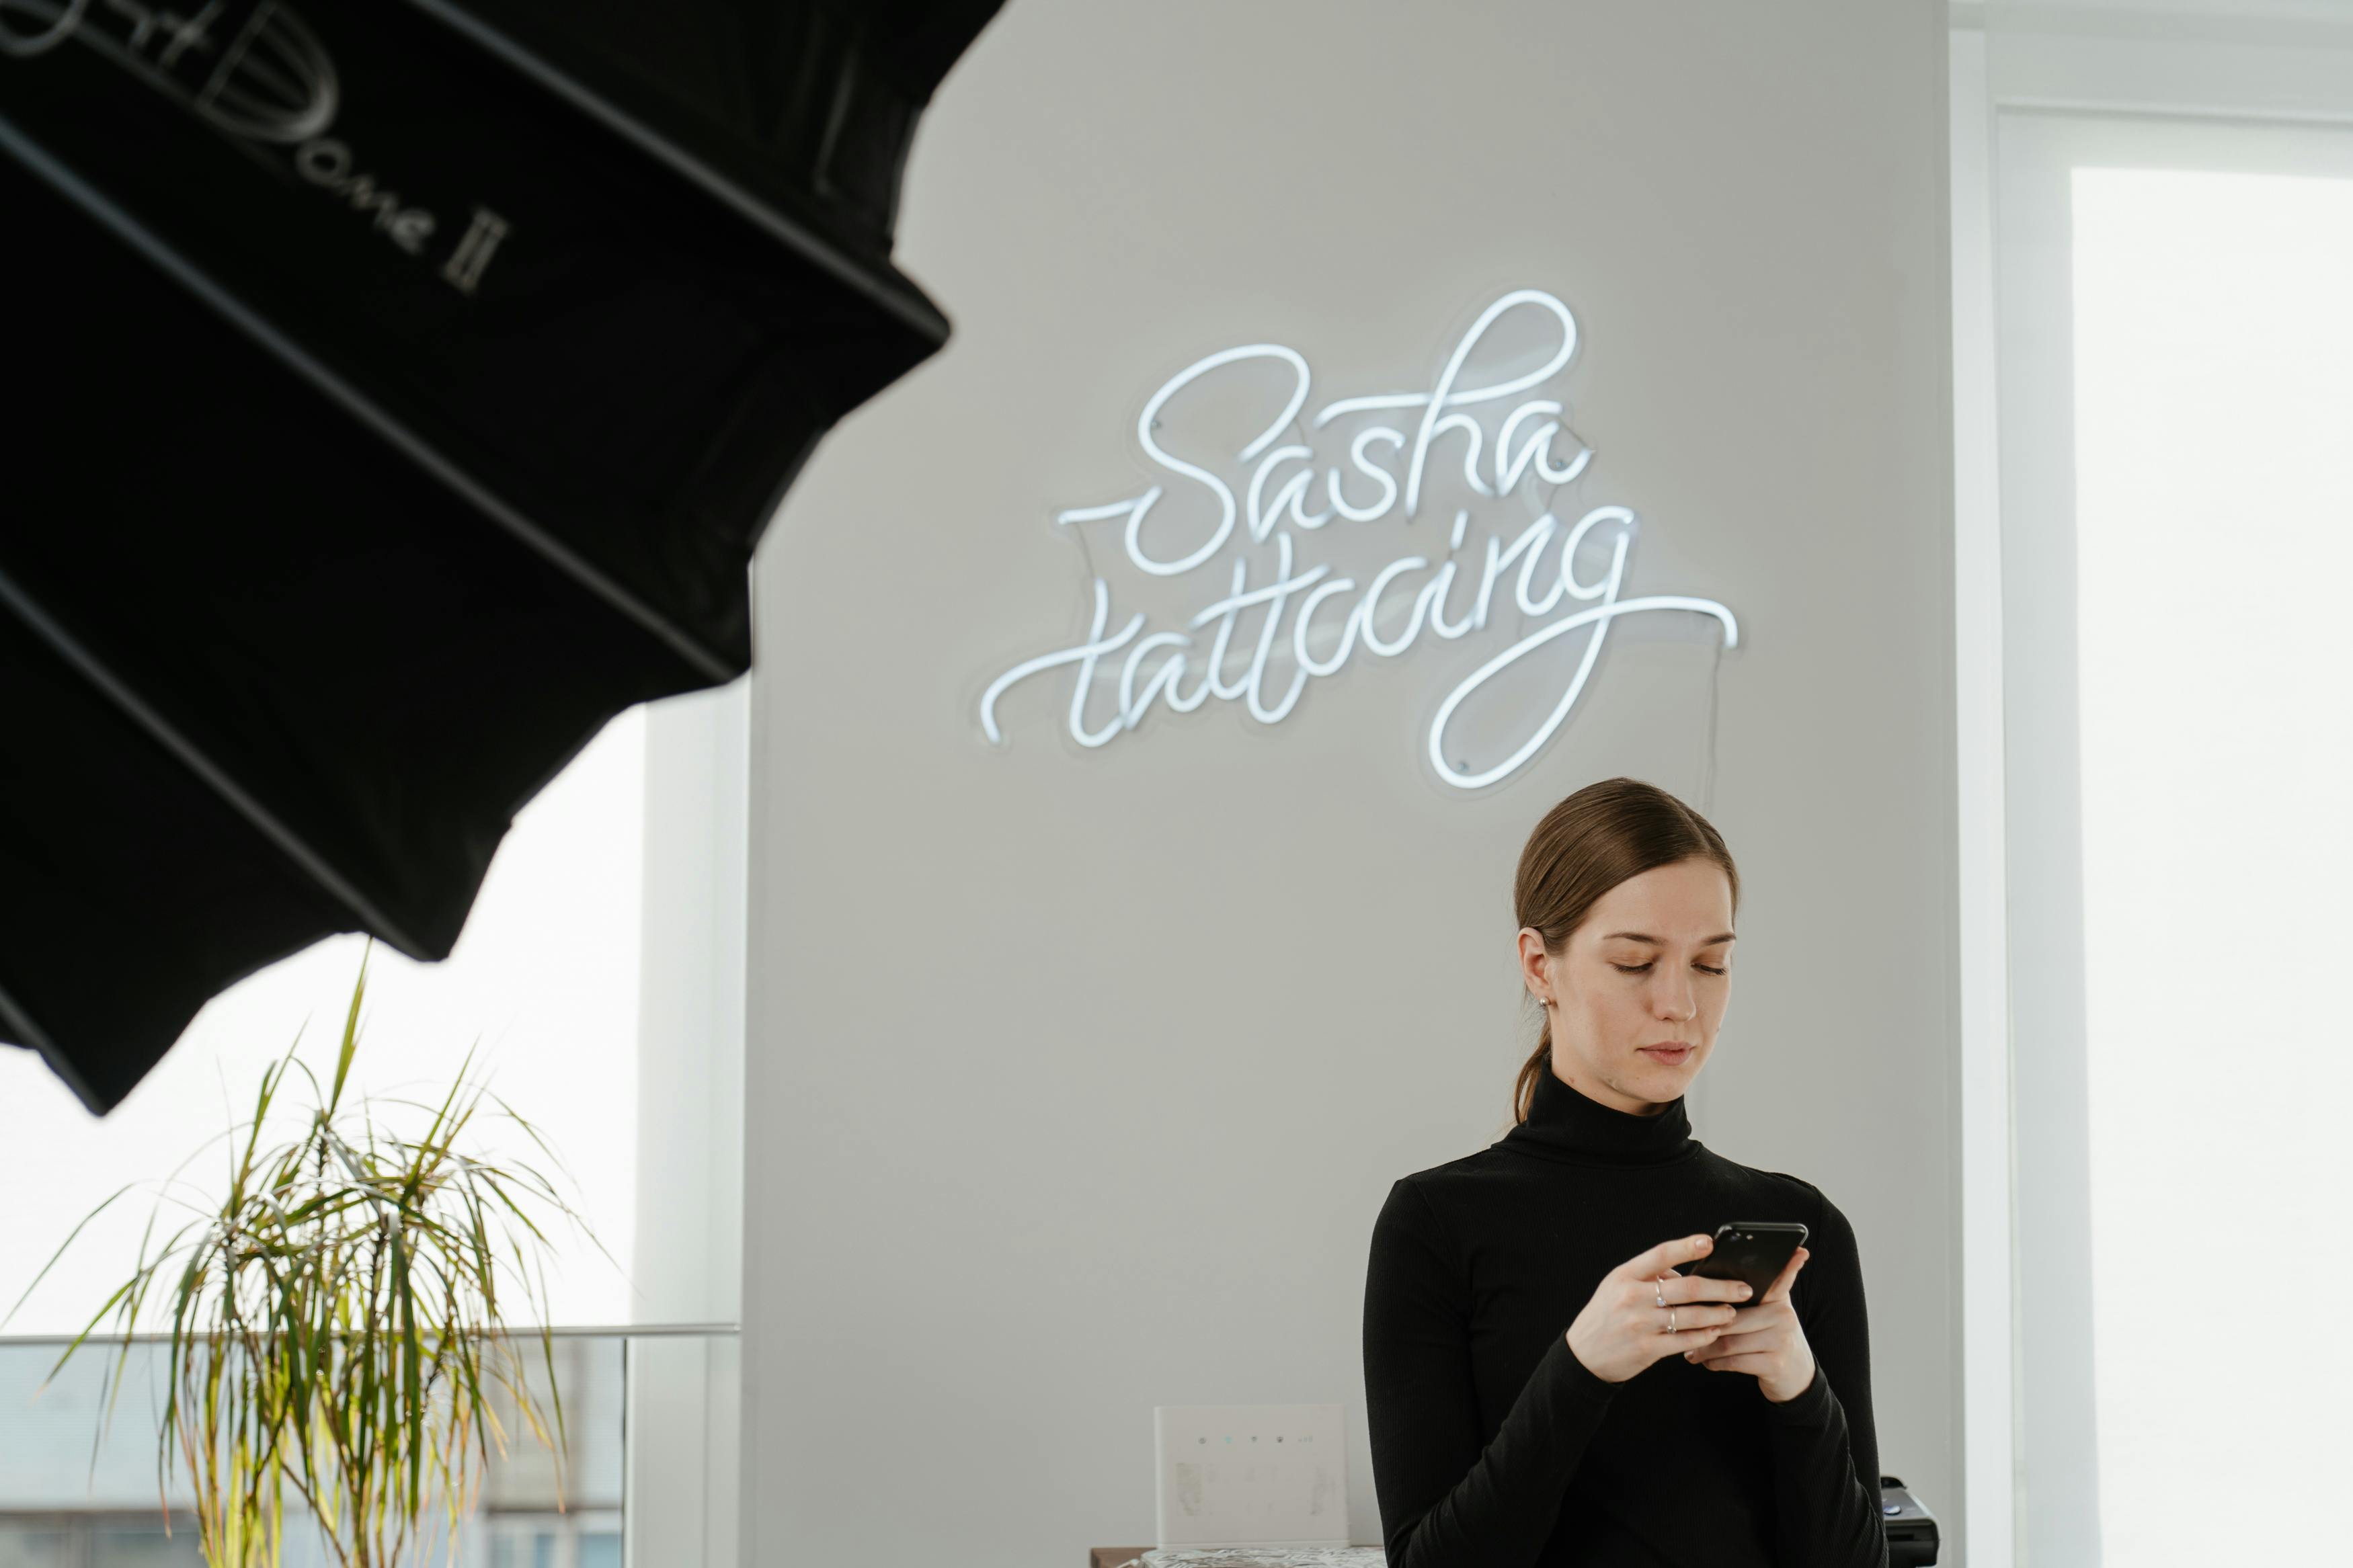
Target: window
x=2153, y=223
x=544, y=975
x=2213, y=390
x=601, y=972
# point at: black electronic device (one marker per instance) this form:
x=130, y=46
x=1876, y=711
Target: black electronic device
x=1755, y=1251
x=1912, y=1538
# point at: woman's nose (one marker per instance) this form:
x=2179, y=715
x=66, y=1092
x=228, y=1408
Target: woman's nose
x=1675, y=1001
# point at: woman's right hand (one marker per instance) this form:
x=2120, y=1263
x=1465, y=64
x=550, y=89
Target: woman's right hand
x=1623, y=1329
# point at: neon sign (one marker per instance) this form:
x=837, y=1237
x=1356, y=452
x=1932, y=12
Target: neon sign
x=1392, y=469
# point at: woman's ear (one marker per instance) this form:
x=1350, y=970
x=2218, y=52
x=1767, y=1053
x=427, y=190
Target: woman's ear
x=1535, y=963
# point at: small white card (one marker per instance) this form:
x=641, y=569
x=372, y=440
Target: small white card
x=1251, y=1475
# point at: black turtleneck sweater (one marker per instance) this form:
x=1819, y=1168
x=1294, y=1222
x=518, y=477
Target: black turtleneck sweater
x=1493, y=1447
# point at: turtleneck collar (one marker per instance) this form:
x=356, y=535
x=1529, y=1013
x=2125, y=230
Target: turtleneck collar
x=1565, y=1124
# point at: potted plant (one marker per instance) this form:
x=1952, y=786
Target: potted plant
x=336, y=1326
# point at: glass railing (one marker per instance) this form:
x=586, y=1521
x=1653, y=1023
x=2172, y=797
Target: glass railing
x=72, y=1496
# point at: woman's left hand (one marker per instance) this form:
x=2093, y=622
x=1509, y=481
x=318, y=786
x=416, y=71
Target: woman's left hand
x=1765, y=1341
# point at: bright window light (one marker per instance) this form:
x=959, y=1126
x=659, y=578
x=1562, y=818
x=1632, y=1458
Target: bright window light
x=546, y=976
x=2213, y=358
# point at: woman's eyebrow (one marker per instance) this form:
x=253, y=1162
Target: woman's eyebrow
x=1654, y=941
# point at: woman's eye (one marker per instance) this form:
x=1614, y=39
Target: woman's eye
x=1630, y=968
x=1707, y=969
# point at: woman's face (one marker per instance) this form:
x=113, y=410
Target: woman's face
x=1637, y=993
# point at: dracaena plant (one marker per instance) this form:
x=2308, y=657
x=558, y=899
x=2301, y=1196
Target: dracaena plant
x=337, y=1326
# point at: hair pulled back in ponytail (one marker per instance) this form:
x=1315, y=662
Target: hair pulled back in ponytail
x=1596, y=838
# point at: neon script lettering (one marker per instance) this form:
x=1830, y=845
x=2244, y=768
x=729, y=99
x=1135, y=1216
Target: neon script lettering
x=1400, y=447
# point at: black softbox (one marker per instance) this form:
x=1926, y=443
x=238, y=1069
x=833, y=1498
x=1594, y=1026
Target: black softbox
x=396, y=390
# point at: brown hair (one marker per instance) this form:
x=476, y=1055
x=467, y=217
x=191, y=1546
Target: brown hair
x=1596, y=838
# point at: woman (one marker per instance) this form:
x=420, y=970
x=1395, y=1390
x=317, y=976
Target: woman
x=1543, y=1386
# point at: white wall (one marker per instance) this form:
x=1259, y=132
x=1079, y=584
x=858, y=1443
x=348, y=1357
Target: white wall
x=1074, y=1079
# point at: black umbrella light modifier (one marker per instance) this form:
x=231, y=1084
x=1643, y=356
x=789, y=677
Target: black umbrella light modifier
x=397, y=390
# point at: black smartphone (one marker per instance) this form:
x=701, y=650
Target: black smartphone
x=1755, y=1251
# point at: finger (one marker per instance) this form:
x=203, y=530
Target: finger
x=1692, y=1315
x=1789, y=1268
x=1702, y=1288
x=1756, y=1328
x=1665, y=1256
x=1779, y=1289
x=1726, y=1346
x=1754, y=1365
x=1686, y=1338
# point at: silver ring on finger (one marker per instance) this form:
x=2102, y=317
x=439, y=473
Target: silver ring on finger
x=1671, y=1319
x=1659, y=1289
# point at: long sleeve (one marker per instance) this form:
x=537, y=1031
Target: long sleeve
x=1444, y=1502
x=1825, y=1446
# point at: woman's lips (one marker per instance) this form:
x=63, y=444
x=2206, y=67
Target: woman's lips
x=1672, y=1056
